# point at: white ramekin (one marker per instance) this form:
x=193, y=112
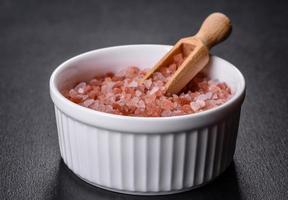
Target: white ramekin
x=140, y=155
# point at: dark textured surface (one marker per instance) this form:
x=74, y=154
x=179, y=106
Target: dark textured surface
x=36, y=36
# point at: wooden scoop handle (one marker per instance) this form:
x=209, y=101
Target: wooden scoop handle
x=214, y=29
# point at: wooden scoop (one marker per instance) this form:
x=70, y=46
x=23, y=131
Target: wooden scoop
x=214, y=29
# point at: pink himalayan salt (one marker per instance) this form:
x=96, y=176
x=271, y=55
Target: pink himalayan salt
x=124, y=94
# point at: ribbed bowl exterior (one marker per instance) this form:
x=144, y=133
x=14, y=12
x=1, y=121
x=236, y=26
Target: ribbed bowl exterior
x=147, y=163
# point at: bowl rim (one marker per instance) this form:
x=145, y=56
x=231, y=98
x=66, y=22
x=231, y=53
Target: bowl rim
x=56, y=94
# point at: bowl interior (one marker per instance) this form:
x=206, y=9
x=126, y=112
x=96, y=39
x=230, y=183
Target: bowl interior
x=88, y=65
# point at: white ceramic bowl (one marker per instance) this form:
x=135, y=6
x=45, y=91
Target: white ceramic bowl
x=138, y=155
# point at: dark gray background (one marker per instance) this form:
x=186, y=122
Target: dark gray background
x=36, y=36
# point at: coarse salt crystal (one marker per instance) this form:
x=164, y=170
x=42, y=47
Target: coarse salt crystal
x=154, y=90
x=148, y=83
x=141, y=104
x=133, y=84
x=80, y=87
x=138, y=93
x=204, y=96
x=88, y=102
